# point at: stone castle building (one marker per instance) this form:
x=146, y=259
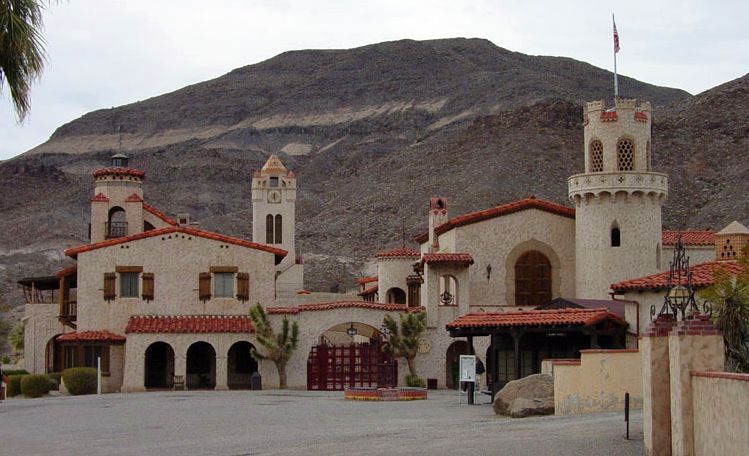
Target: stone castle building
x=158, y=299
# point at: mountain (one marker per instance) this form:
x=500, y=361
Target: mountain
x=371, y=133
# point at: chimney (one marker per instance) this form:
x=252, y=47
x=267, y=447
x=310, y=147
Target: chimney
x=731, y=241
x=437, y=216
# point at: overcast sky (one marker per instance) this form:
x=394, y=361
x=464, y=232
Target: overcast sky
x=105, y=53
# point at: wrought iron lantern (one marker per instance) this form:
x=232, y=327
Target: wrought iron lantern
x=446, y=298
x=351, y=331
x=679, y=298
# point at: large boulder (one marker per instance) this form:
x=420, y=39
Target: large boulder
x=531, y=395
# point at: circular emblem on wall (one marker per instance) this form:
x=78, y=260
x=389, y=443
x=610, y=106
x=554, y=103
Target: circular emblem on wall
x=424, y=346
x=274, y=196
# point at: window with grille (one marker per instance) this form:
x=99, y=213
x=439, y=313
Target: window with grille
x=625, y=155
x=223, y=284
x=596, y=157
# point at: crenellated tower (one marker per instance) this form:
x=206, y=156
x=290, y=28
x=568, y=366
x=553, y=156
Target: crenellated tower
x=618, y=199
x=274, y=221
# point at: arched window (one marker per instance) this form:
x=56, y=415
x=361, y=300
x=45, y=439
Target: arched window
x=596, y=156
x=616, y=236
x=269, y=229
x=396, y=296
x=532, y=279
x=625, y=155
x=448, y=290
x=279, y=230
x=116, y=223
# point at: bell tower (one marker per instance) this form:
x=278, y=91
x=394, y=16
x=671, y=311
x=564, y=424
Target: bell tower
x=274, y=220
x=617, y=199
x=117, y=204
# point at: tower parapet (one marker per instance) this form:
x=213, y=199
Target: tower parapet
x=618, y=198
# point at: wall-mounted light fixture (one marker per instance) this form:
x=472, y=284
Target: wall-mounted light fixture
x=488, y=271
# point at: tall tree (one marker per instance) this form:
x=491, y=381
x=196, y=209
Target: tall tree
x=729, y=296
x=278, y=347
x=403, y=340
x=22, y=52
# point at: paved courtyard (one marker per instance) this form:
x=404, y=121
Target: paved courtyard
x=294, y=423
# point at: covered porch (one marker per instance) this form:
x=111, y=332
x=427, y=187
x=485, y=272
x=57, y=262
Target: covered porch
x=520, y=341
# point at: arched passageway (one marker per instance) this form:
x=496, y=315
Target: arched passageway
x=396, y=296
x=159, y=361
x=54, y=355
x=240, y=365
x=201, y=366
x=452, y=362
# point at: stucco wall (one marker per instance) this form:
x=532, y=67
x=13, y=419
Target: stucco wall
x=392, y=272
x=697, y=254
x=721, y=414
x=41, y=326
x=176, y=261
x=598, y=382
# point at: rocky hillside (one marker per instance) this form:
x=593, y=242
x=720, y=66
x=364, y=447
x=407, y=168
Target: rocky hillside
x=372, y=133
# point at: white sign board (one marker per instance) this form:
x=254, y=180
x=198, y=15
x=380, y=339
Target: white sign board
x=467, y=368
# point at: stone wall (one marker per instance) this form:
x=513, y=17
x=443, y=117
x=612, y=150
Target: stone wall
x=721, y=413
x=597, y=382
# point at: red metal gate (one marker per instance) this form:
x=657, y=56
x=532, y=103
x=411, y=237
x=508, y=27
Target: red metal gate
x=335, y=367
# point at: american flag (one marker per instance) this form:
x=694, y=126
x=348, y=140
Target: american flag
x=616, y=36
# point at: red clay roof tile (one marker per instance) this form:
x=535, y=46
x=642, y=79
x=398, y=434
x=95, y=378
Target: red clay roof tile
x=702, y=276
x=168, y=220
x=343, y=305
x=92, y=336
x=556, y=317
x=369, y=291
x=134, y=198
x=505, y=209
x=116, y=171
x=99, y=198
x=74, y=251
x=400, y=252
x=189, y=324
x=463, y=259
x=67, y=271
x=364, y=280
x=689, y=237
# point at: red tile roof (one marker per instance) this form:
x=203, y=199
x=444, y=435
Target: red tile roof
x=609, y=116
x=641, y=116
x=99, y=198
x=134, y=198
x=189, y=324
x=400, y=252
x=116, y=171
x=689, y=237
x=369, y=290
x=463, y=259
x=92, y=336
x=343, y=305
x=499, y=211
x=364, y=280
x=74, y=251
x=168, y=220
x=67, y=271
x=702, y=276
x=556, y=317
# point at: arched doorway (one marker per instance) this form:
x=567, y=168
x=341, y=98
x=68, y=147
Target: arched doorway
x=350, y=355
x=396, y=296
x=240, y=365
x=532, y=279
x=452, y=362
x=54, y=355
x=201, y=366
x=159, y=366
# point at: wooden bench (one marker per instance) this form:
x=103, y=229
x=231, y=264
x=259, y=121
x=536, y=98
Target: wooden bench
x=179, y=382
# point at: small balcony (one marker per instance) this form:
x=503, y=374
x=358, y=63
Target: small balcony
x=115, y=230
x=69, y=313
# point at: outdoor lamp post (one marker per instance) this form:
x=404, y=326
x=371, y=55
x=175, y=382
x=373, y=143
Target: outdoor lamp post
x=679, y=298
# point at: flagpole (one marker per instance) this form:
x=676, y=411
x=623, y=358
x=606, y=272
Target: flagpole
x=616, y=78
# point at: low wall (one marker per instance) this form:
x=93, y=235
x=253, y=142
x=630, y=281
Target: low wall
x=597, y=382
x=721, y=413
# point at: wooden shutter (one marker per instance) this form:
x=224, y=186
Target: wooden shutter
x=109, y=281
x=148, y=286
x=204, y=288
x=243, y=286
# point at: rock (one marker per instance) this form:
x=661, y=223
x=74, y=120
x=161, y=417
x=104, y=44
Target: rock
x=528, y=396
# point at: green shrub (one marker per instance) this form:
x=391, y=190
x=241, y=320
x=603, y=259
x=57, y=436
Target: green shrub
x=14, y=385
x=414, y=381
x=34, y=385
x=80, y=380
x=5, y=359
x=10, y=372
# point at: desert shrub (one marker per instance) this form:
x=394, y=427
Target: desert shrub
x=5, y=359
x=414, y=381
x=34, y=385
x=14, y=385
x=80, y=380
